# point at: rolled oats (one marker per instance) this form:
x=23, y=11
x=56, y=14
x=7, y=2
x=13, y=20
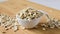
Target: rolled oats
x=7, y=22
x=43, y=28
x=11, y=23
x=30, y=14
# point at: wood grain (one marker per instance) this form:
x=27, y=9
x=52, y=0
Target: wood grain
x=12, y=7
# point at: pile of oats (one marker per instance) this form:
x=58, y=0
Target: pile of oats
x=51, y=23
x=7, y=22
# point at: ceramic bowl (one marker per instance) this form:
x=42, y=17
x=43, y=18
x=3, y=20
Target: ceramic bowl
x=27, y=23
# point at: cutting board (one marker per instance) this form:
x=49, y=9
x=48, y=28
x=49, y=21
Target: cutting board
x=12, y=7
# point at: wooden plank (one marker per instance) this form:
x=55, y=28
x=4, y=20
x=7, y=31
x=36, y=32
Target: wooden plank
x=12, y=7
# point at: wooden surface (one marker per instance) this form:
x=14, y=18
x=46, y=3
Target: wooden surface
x=12, y=7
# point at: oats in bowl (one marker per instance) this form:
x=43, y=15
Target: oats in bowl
x=30, y=14
x=29, y=17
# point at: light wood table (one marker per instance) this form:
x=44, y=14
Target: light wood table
x=12, y=7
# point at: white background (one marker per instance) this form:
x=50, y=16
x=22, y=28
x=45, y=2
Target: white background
x=50, y=3
x=1, y=1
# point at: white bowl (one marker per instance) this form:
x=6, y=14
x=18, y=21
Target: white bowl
x=27, y=23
